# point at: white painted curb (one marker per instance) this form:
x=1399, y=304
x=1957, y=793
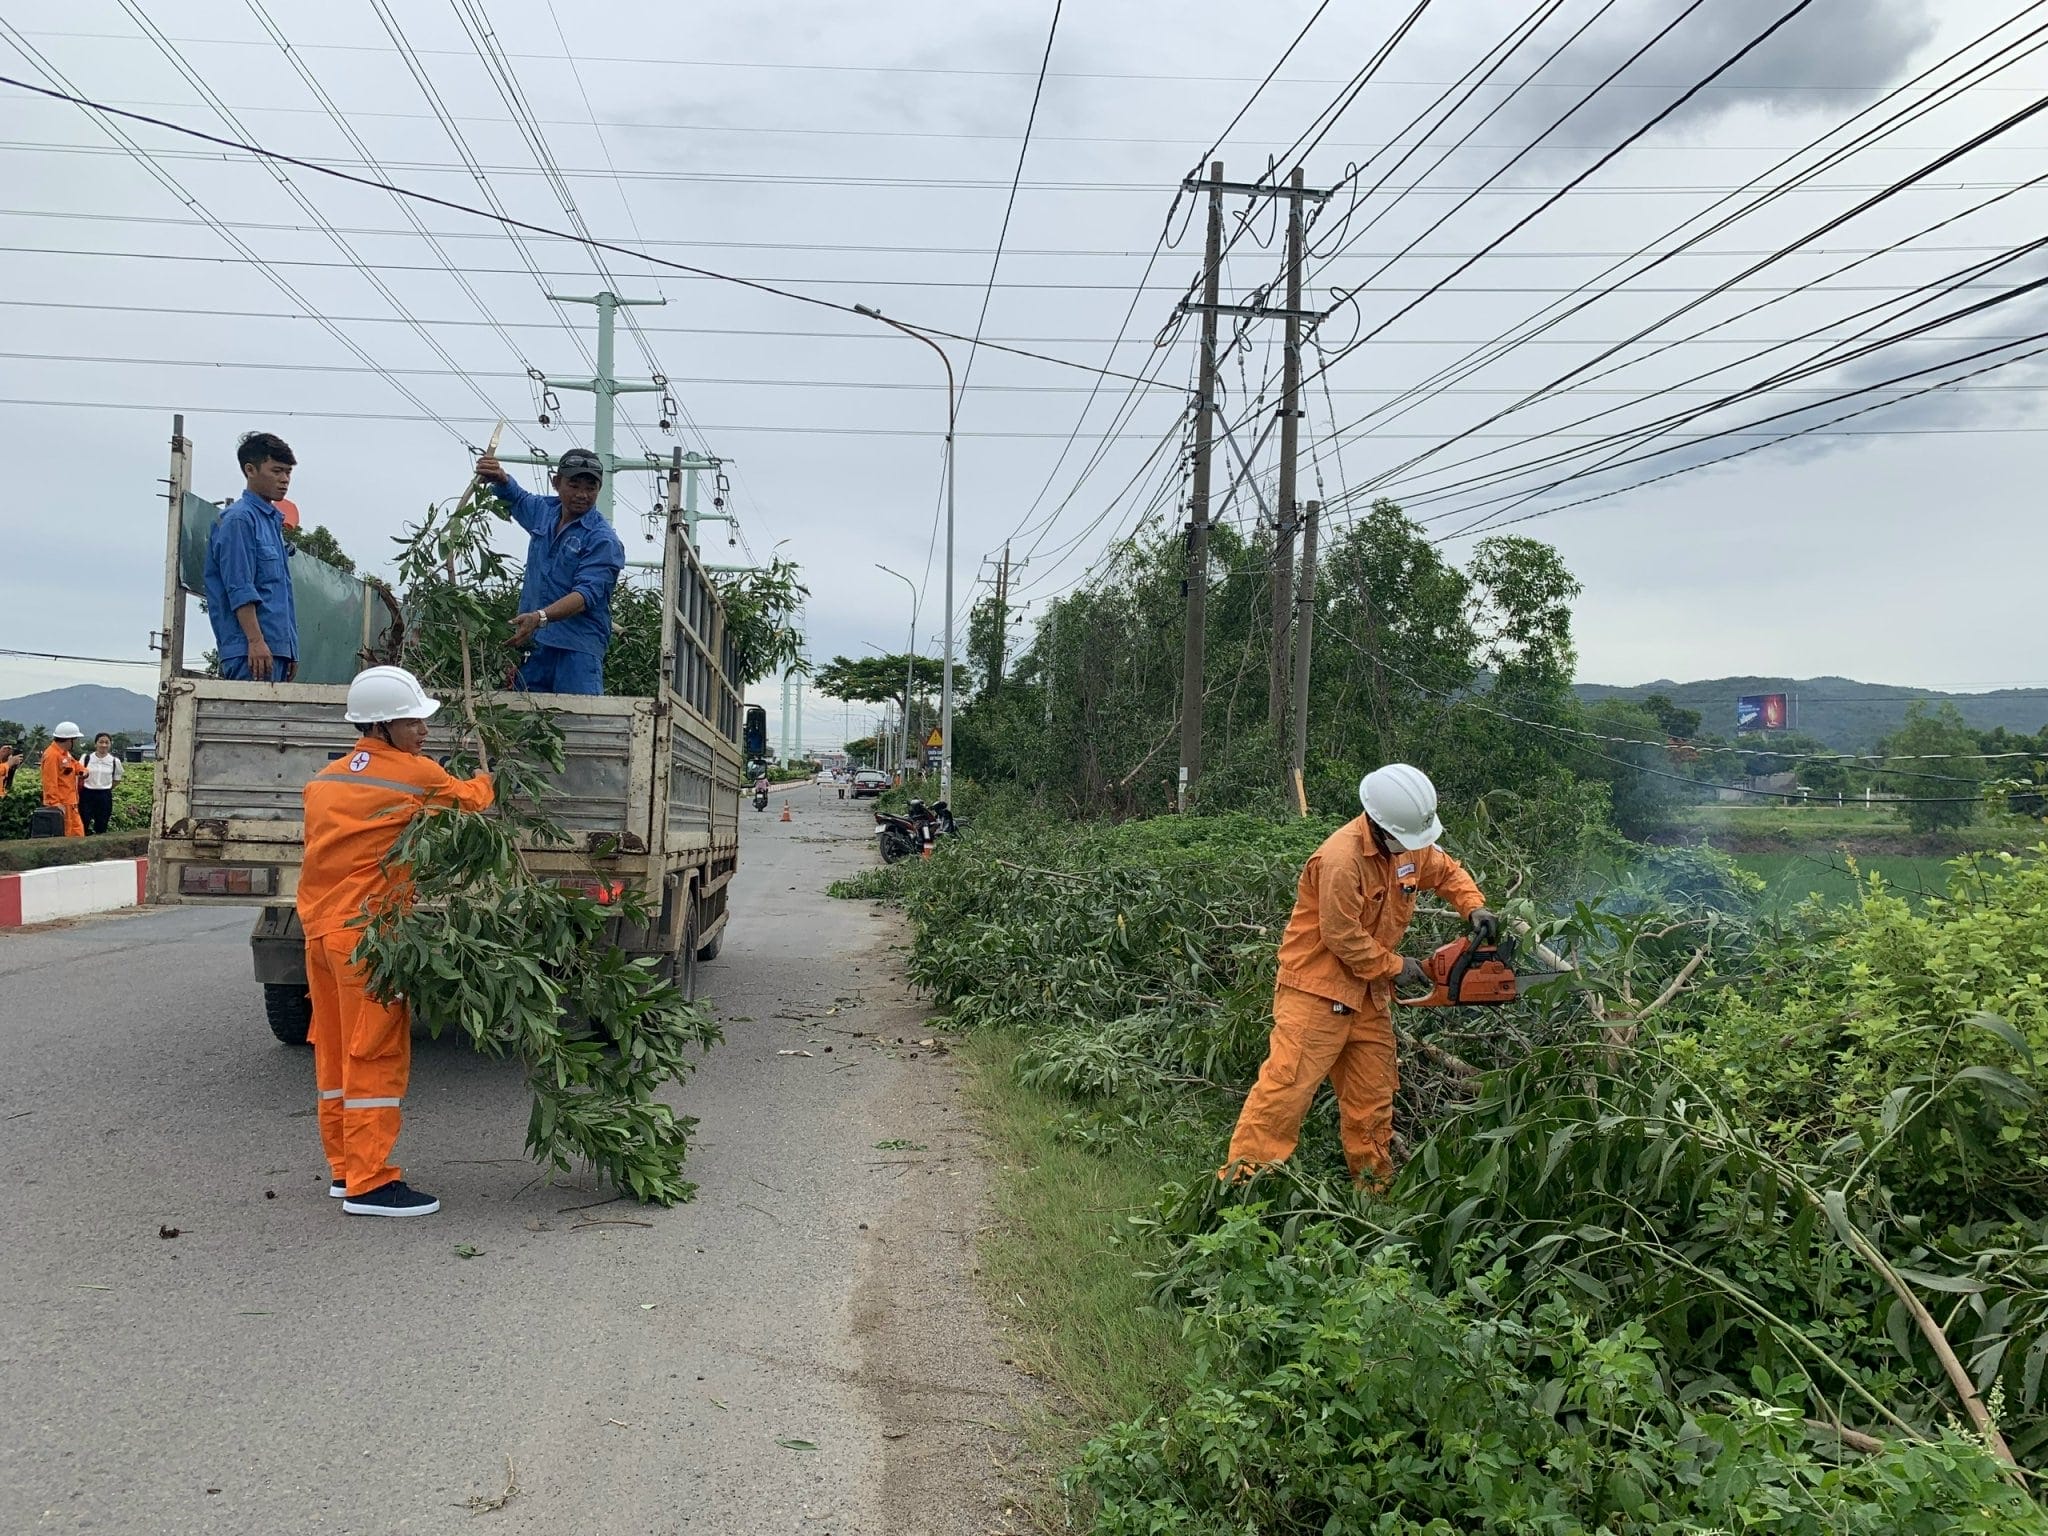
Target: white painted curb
x=74, y=890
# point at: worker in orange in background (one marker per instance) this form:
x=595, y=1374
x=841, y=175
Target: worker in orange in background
x=356, y=807
x=61, y=775
x=1339, y=962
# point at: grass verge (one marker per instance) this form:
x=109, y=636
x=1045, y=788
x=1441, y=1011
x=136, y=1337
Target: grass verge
x=49, y=852
x=1062, y=1263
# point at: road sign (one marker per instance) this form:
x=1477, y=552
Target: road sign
x=934, y=742
x=932, y=756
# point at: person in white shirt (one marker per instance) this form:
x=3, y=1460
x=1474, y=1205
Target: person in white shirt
x=103, y=770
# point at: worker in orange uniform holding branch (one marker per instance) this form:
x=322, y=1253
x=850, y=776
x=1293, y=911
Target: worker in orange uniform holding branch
x=1339, y=964
x=356, y=807
x=62, y=774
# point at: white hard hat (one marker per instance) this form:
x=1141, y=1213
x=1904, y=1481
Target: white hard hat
x=1402, y=802
x=388, y=693
x=66, y=728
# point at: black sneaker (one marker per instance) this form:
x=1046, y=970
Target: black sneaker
x=393, y=1199
x=337, y=1188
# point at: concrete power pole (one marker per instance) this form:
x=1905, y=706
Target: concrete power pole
x=1196, y=583
x=1002, y=643
x=1304, y=641
x=1290, y=418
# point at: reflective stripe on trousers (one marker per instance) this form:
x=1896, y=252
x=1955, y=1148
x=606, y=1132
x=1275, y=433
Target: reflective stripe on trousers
x=362, y=1058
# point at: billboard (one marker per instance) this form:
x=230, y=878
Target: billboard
x=1761, y=712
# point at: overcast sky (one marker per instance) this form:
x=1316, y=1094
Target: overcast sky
x=863, y=154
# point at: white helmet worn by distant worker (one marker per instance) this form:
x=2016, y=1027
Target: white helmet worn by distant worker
x=382, y=694
x=67, y=728
x=1402, y=803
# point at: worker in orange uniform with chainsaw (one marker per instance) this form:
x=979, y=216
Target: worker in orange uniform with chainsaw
x=356, y=807
x=1339, y=965
x=62, y=774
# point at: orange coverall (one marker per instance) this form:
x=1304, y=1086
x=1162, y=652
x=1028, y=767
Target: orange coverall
x=61, y=775
x=1333, y=998
x=356, y=807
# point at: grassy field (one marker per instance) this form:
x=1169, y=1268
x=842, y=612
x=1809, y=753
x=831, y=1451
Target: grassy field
x=1060, y=1263
x=1807, y=850
x=1792, y=877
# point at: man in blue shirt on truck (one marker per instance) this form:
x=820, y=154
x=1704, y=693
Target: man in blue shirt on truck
x=248, y=570
x=572, y=564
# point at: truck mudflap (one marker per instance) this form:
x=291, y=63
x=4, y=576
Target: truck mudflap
x=278, y=945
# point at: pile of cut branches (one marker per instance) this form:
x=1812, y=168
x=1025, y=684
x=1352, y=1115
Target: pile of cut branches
x=523, y=965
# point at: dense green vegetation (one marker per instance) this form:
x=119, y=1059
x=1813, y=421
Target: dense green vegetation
x=1642, y=1259
x=1744, y=1227
x=131, y=802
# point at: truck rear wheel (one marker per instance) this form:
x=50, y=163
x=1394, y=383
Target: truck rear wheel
x=289, y=1010
x=680, y=967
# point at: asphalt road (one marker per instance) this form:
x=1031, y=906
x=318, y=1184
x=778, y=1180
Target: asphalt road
x=799, y=1350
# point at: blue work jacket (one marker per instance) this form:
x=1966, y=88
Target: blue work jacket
x=248, y=561
x=584, y=557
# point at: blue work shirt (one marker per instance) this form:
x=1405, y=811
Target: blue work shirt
x=584, y=557
x=248, y=561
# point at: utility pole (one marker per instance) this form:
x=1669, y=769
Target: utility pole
x=1290, y=419
x=1288, y=416
x=1304, y=641
x=1196, y=584
x=1002, y=639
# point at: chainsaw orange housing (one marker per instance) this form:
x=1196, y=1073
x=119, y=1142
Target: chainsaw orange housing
x=1462, y=974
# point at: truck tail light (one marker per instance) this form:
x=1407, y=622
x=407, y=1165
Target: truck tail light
x=227, y=880
x=603, y=892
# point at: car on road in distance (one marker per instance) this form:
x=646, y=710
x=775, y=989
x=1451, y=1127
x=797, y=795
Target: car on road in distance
x=869, y=782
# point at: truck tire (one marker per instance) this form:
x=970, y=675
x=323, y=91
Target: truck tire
x=682, y=967
x=289, y=1010
x=709, y=952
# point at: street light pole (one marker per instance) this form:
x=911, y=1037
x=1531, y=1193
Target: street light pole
x=909, y=657
x=952, y=416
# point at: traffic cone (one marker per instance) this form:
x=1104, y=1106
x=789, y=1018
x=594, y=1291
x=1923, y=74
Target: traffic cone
x=785, y=811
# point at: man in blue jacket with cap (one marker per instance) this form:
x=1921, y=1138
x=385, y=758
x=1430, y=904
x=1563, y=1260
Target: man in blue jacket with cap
x=248, y=570
x=572, y=564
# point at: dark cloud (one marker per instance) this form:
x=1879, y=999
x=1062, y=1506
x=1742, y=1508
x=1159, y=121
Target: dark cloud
x=1829, y=60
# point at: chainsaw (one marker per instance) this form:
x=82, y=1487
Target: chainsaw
x=1466, y=973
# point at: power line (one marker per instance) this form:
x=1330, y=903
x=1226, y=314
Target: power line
x=1977, y=141
x=108, y=123
x=955, y=136
x=1527, y=330
x=74, y=253
x=108, y=661
x=342, y=164
x=511, y=223
x=1831, y=358
x=863, y=385
x=988, y=291
x=1494, y=520
x=672, y=62
x=757, y=333
x=340, y=242
x=835, y=248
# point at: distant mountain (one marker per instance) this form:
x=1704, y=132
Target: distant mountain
x=89, y=706
x=1849, y=716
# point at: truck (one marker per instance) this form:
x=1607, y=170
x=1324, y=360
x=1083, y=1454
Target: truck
x=649, y=790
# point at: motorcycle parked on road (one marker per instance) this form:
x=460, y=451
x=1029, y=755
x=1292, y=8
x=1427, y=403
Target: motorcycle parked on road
x=916, y=831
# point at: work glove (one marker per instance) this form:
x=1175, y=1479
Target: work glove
x=1485, y=926
x=1412, y=973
